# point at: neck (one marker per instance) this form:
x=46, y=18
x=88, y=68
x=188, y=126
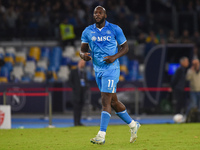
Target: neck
x=101, y=25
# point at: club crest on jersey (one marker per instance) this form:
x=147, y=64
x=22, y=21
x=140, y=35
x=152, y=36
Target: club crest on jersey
x=94, y=38
x=108, y=32
x=101, y=38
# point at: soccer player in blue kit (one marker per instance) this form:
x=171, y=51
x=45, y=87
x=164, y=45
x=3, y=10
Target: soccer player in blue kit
x=102, y=39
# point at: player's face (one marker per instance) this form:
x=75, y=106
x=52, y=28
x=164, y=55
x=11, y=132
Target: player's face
x=99, y=15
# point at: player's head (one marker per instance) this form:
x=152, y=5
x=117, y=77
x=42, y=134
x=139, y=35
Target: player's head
x=99, y=14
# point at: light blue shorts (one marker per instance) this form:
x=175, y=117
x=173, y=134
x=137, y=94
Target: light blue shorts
x=107, y=80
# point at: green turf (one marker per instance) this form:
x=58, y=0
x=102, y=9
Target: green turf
x=150, y=137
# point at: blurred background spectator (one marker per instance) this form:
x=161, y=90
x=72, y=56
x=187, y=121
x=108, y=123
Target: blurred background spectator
x=178, y=85
x=67, y=33
x=79, y=83
x=193, y=76
x=28, y=19
x=172, y=38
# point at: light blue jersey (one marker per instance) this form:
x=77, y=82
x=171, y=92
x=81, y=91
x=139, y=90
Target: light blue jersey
x=103, y=42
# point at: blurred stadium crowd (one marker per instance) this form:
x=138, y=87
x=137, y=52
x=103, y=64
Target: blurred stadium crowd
x=143, y=25
x=40, y=19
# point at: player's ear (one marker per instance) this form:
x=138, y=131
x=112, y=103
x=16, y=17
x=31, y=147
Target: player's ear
x=105, y=15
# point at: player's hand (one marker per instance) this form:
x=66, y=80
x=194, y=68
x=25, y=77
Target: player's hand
x=109, y=59
x=85, y=56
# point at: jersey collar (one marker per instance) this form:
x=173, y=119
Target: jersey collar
x=106, y=24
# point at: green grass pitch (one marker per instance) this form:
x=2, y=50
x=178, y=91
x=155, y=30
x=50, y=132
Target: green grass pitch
x=150, y=137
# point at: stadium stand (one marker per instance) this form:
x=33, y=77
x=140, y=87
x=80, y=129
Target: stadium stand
x=10, y=51
x=63, y=73
x=34, y=65
x=42, y=64
x=17, y=73
x=69, y=52
x=29, y=70
x=5, y=74
x=3, y=79
x=39, y=76
x=2, y=53
x=9, y=59
x=55, y=59
x=45, y=53
x=20, y=58
x=34, y=53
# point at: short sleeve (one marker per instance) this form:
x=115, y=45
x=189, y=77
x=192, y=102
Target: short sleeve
x=84, y=37
x=120, y=37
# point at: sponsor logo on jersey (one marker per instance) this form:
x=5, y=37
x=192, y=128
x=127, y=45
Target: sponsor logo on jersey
x=101, y=38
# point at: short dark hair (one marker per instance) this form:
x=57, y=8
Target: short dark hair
x=101, y=7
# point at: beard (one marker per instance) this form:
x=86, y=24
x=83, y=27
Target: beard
x=101, y=21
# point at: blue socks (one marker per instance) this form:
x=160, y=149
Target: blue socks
x=105, y=117
x=124, y=116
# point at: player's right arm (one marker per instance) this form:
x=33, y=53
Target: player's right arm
x=84, y=52
x=84, y=46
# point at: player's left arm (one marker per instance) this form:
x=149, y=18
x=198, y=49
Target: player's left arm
x=123, y=50
x=121, y=40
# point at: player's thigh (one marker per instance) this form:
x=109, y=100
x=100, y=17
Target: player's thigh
x=109, y=81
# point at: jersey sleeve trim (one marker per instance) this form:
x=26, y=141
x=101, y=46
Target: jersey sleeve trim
x=84, y=42
x=123, y=42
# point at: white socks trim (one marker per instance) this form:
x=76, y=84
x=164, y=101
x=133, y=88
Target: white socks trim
x=132, y=124
x=102, y=134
